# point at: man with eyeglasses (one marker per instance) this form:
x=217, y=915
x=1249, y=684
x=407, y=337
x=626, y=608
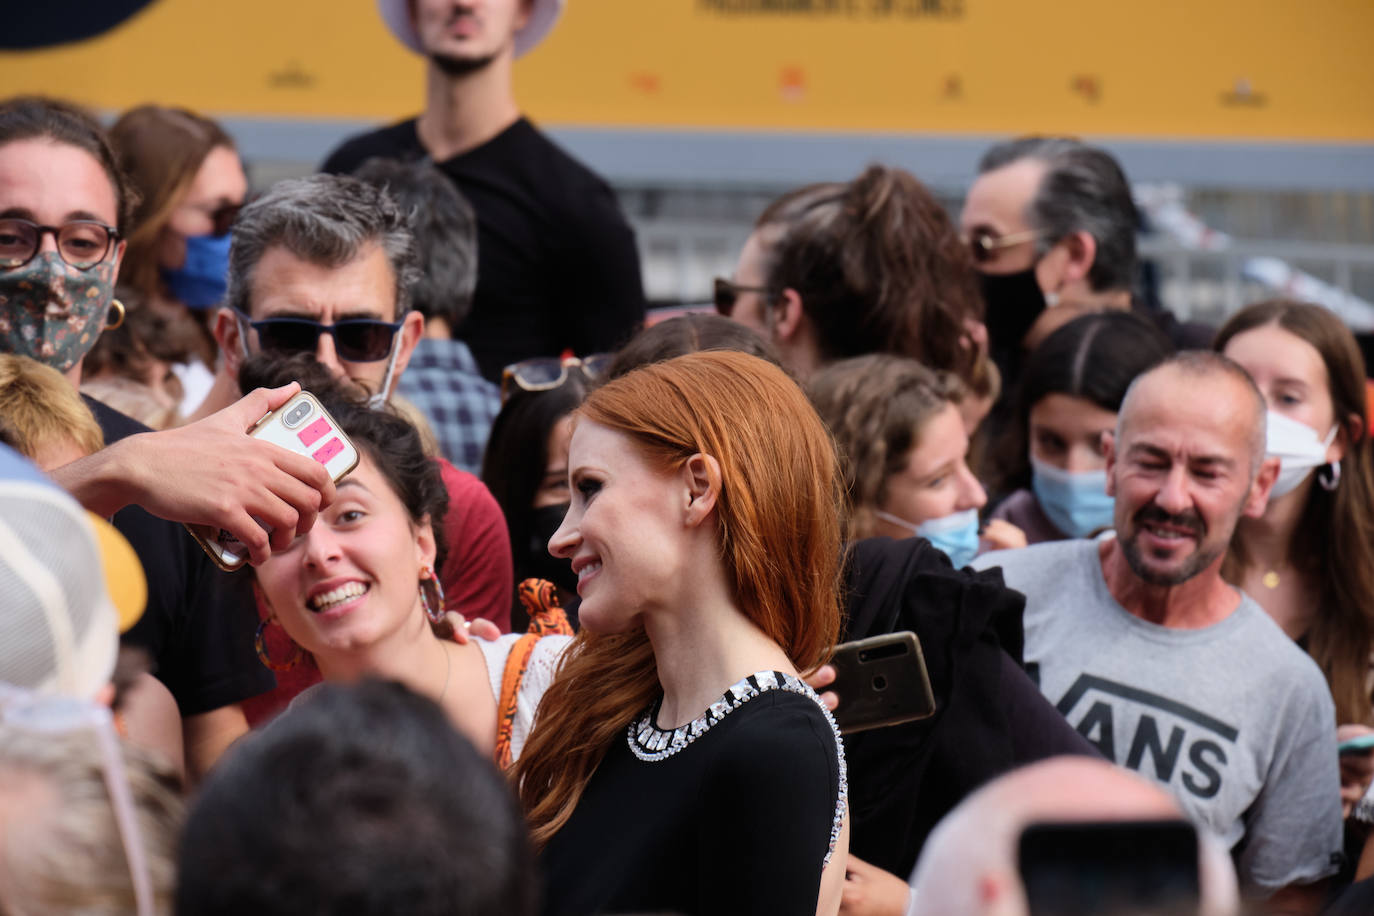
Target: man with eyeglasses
x=557, y=264
x=326, y=266
x=1051, y=225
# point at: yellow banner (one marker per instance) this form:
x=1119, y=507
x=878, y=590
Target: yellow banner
x=1204, y=69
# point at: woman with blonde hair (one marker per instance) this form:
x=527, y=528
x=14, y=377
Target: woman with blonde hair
x=677, y=762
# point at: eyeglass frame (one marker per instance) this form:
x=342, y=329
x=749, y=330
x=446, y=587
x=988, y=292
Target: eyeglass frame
x=256, y=325
x=587, y=364
x=984, y=245
x=112, y=241
x=734, y=289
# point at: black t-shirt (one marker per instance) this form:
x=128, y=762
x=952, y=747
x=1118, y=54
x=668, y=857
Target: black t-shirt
x=739, y=821
x=199, y=622
x=557, y=266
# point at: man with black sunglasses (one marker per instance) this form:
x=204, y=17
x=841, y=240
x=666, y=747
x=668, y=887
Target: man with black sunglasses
x=321, y=265
x=326, y=266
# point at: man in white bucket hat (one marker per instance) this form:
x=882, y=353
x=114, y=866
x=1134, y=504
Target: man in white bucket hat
x=557, y=267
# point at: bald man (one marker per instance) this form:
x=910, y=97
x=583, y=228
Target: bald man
x=969, y=865
x=1169, y=670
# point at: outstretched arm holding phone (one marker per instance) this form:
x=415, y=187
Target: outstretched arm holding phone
x=210, y=472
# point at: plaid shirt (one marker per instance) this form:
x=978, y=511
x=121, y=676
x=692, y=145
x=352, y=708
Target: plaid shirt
x=443, y=382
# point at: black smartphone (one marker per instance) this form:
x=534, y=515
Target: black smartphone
x=1110, y=867
x=881, y=680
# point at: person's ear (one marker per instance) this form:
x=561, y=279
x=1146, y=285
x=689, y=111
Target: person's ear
x=425, y=547
x=228, y=333
x=787, y=315
x=412, y=329
x=1258, y=497
x=1347, y=434
x=1081, y=250
x=701, y=477
x=1109, y=450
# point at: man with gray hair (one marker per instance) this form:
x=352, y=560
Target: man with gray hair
x=321, y=265
x=1160, y=663
x=327, y=266
x=1051, y=225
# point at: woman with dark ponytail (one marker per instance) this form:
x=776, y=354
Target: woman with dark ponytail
x=873, y=265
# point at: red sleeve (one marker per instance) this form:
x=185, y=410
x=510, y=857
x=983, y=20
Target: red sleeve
x=478, y=577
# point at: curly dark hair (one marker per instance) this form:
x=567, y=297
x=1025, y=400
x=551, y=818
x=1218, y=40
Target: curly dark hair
x=388, y=439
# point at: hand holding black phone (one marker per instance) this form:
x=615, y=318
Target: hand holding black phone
x=881, y=681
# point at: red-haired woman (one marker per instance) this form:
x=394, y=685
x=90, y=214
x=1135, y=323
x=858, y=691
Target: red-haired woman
x=678, y=763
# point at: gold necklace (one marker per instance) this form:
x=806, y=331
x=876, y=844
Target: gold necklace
x=1270, y=579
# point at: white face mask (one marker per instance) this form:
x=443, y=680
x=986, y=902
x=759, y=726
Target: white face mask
x=379, y=398
x=1298, y=449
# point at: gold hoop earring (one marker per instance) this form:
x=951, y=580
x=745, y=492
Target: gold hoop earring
x=115, y=305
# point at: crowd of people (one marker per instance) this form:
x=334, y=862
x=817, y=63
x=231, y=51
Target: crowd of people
x=559, y=641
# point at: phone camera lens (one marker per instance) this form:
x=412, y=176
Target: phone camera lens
x=296, y=415
x=879, y=682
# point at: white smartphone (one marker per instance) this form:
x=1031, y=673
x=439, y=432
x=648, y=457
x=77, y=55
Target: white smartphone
x=303, y=426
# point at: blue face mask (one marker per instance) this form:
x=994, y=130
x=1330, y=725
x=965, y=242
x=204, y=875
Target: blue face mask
x=956, y=535
x=201, y=281
x=1077, y=502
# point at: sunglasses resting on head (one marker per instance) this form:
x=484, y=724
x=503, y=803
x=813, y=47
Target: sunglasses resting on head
x=548, y=372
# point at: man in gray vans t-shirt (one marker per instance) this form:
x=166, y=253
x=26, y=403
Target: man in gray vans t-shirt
x=1166, y=668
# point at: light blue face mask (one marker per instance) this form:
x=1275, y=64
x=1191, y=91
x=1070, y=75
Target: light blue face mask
x=1076, y=501
x=956, y=535
x=202, y=280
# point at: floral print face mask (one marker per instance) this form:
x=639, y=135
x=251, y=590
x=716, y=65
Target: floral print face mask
x=53, y=312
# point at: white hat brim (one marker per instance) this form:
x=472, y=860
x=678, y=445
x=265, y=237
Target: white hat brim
x=396, y=15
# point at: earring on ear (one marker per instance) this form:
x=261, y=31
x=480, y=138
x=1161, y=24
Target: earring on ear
x=260, y=646
x=1330, y=476
x=431, y=595
x=115, y=306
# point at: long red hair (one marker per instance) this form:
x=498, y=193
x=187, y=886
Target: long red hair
x=778, y=518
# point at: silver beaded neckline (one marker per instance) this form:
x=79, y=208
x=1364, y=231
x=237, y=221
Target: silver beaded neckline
x=651, y=744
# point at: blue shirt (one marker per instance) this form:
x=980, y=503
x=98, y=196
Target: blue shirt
x=444, y=384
